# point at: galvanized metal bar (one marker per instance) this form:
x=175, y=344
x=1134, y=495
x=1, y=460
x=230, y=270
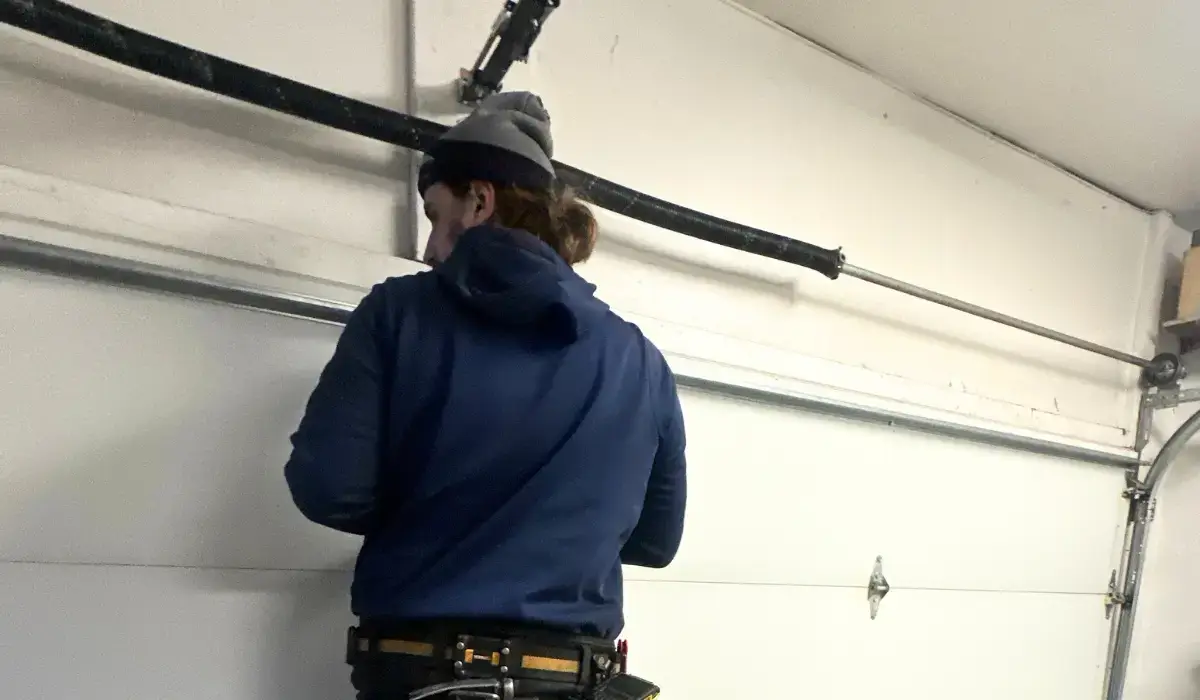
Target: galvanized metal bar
x=92, y=267
x=874, y=414
x=84, y=265
x=981, y=312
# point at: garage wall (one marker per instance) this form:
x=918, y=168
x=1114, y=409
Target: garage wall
x=85, y=121
x=707, y=106
x=152, y=499
x=756, y=126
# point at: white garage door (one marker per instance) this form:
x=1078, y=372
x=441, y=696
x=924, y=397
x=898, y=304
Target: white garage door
x=148, y=547
x=997, y=560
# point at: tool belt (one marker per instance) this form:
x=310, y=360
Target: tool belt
x=524, y=662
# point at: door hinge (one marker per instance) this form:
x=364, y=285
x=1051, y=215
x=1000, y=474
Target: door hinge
x=1113, y=599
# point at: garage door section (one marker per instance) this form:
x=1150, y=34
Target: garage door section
x=997, y=561
x=782, y=496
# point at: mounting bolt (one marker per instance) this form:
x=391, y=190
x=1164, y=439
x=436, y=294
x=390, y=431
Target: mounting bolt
x=1113, y=599
x=1135, y=493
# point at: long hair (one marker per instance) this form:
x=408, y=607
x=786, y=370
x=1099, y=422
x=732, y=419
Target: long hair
x=555, y=216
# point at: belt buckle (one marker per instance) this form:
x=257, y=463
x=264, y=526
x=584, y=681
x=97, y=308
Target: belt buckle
x=481, y=657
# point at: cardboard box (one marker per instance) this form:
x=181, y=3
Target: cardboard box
x=1189, y=287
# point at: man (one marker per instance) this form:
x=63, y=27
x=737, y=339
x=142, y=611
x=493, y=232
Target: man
x=499, y=437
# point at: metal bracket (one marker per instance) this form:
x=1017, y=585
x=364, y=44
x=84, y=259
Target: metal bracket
x=1113, y=599
x=1145, y=422
x=1134, y=490
x=1158, y=399
x=513, y=33
x=1170, y=398
x=1135, y=493
x=877, y=587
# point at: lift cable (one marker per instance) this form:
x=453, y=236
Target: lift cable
x=513, y=35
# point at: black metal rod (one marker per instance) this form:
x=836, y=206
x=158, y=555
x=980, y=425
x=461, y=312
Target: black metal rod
x=101, y=37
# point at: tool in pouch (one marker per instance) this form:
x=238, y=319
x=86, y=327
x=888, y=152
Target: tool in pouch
x=623, y=686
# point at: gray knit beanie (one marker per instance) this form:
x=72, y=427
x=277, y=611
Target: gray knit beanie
x=506, y=141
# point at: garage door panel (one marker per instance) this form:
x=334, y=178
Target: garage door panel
x=161, y=433
x=781, y=495
x=160, y=439
x=991, y=645
x=700, y=641
x=703, y=641
x=132, y=632
x=135, y=632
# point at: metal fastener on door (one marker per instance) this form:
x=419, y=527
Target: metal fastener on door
x=877, y=587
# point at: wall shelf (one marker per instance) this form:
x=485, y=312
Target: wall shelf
x=1186, y=330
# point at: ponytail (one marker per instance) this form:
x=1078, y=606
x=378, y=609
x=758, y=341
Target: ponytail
x=573, y=229
x=555, y=216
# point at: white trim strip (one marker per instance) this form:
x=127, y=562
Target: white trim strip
x=43, y=257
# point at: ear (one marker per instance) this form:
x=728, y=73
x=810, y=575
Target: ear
x=481, y=200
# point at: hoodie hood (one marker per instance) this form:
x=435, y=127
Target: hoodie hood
x=513, y=278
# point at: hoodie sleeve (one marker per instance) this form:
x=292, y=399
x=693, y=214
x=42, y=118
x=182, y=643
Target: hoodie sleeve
x=656, y=538
x=335, y=461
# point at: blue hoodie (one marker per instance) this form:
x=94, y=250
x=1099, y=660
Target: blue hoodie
x=501, y=439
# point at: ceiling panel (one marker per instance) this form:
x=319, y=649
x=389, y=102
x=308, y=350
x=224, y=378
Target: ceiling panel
x=1108, y=88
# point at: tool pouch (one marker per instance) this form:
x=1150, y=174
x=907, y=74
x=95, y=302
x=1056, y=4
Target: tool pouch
x=353, y=647
x=622, y=686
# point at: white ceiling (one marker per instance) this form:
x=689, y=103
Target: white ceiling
x=1109, y=89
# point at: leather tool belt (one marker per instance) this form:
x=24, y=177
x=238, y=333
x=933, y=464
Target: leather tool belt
x=530, y=663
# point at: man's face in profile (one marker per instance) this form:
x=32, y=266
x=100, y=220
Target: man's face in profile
x=451, y=215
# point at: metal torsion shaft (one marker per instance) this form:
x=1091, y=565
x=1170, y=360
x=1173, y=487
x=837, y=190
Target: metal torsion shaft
x=974, y=310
